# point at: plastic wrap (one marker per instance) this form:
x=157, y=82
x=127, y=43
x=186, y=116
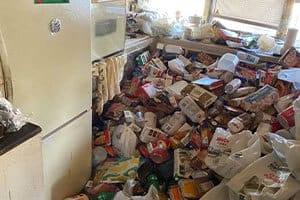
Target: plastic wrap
x=11, y=118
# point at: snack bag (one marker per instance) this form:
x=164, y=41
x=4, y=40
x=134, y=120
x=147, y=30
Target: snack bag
x=265, y=179
x=229, y=154
x=119, y=171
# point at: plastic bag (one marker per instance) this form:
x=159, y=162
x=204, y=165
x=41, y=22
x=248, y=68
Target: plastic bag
x=288, y=152
x=229, y=154
x=218, y=192
x=11, y=118
x=265, y=179
x=151, y=195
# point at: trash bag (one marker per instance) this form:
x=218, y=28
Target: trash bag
x=288, y=152
x=229, y=154
x=265, y=179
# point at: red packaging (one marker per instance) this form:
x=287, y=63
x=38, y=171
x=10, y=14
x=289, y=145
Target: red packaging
x=275, y=125
x=287, y=117
x=146, y=92
x=104, y=139
x=135, y=84
x=158, y=151
x=111, y=151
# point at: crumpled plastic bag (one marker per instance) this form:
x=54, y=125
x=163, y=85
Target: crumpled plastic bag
x=265, y=179
x=288, y=151
x=219, y=192
x=151, y=195
x=11, y=118
x=229, y=154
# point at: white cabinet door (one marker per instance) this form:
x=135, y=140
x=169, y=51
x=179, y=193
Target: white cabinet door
x=67, y=159
x=22, y=172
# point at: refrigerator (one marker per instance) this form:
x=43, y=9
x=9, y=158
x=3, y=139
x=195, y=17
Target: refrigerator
x=45, y=59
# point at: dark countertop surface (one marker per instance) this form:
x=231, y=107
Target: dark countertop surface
x=12, y=140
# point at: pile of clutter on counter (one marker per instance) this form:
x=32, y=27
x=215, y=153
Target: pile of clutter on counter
x=197, y=126
x=194, y=28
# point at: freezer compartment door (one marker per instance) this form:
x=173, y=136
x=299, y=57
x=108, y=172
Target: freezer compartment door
x=67, y=159
x=108, y=28
x=47, y=48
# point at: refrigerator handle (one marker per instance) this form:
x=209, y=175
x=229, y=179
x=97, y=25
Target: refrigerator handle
x=4, y=64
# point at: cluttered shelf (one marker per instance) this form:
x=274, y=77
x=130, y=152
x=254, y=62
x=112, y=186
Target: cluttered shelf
x=214, y=49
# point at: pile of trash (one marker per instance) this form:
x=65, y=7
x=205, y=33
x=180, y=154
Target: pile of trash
x=199, y=127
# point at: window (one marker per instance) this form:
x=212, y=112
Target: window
x=295, y=21
x=169, y=7
x=258, y=16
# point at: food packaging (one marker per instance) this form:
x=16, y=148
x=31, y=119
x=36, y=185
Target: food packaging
x=266, y=178
x=150, y=119
x=119, y=171
x=229, y=154
x=261, y=99
x=175, y=193
x=285, y=101
x=151, y=134
x=232, y=86
x=288, y=152
x=247, y=58
x=174, y=123
x=228, y=62
x=240, y=123
x=297, y=118
x=192, y=110
x=177, y=66
x=202, y=97
x=182, y=168
x=287, y=117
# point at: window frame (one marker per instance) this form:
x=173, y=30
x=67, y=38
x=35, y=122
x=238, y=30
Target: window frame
x=282, y=27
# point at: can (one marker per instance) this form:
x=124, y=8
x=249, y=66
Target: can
x=240, y=123
x=232, y=86
x=287, y=117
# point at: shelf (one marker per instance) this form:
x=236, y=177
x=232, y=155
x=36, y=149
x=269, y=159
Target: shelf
x=213, y=49
x=137, y=44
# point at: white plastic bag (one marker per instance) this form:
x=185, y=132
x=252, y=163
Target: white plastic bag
x=220, y=192
x=265, y=179
x=151, y=195
x=288, y=151
x=229, y=154
x=125, y=140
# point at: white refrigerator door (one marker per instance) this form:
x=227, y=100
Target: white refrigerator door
x=67, y=159
x=51, y=73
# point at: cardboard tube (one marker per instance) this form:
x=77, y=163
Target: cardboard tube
x=290, y=39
